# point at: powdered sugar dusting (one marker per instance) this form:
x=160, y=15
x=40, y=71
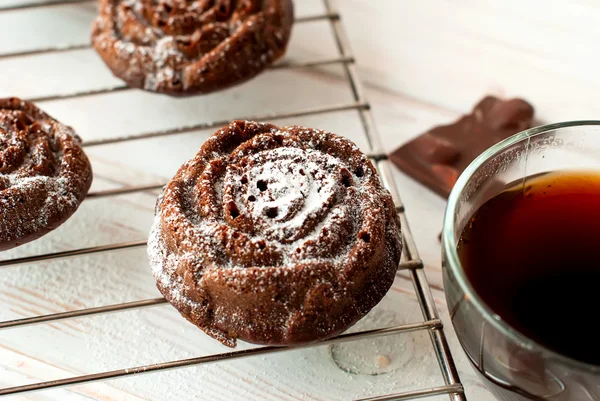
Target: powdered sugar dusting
x=159, y=260
x=287, y=190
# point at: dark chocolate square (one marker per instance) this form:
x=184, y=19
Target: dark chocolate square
x=437, y=157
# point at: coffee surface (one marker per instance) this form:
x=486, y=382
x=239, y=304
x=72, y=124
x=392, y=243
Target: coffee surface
x=533, y=255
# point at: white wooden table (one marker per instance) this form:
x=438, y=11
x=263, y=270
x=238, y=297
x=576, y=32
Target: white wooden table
x=425, y=61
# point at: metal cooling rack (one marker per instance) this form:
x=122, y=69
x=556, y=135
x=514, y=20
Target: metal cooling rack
x=410, y=261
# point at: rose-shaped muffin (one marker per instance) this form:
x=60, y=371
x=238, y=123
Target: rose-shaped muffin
x=44, y=174
x=183, y=47
x=275, y=235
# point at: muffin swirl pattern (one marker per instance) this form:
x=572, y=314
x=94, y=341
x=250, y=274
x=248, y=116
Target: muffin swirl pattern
x=275, y=235
x=44, y=174
x=190, y=46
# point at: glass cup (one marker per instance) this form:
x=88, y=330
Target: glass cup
x=514, y=367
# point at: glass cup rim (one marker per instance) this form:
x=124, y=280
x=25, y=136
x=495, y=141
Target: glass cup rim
x=451, y=254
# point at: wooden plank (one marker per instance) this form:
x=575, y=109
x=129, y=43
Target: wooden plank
x=425, y=69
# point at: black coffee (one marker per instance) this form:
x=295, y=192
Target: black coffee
x=532, y=253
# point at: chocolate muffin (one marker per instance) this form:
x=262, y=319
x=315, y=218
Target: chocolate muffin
x=183, y=47
x=44, y=173
x=275, y=235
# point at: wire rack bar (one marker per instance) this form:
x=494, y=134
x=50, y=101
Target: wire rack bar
x=45, y=50
x=388, y=181
x=54, y=317
x=124, y=190
x=343, y=45
x=123, y=88
x=76, y=252
x=112, y=308
x=440, y=343
x=417, y=394
x=422, y=289
x=78, y=94
x=427, y=303
x=221, y=123
x=428, y=325
x=47, y=3
x=315, y=63
x=82, y=46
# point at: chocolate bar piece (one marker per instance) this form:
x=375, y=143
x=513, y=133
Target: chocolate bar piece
x=437, y=157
